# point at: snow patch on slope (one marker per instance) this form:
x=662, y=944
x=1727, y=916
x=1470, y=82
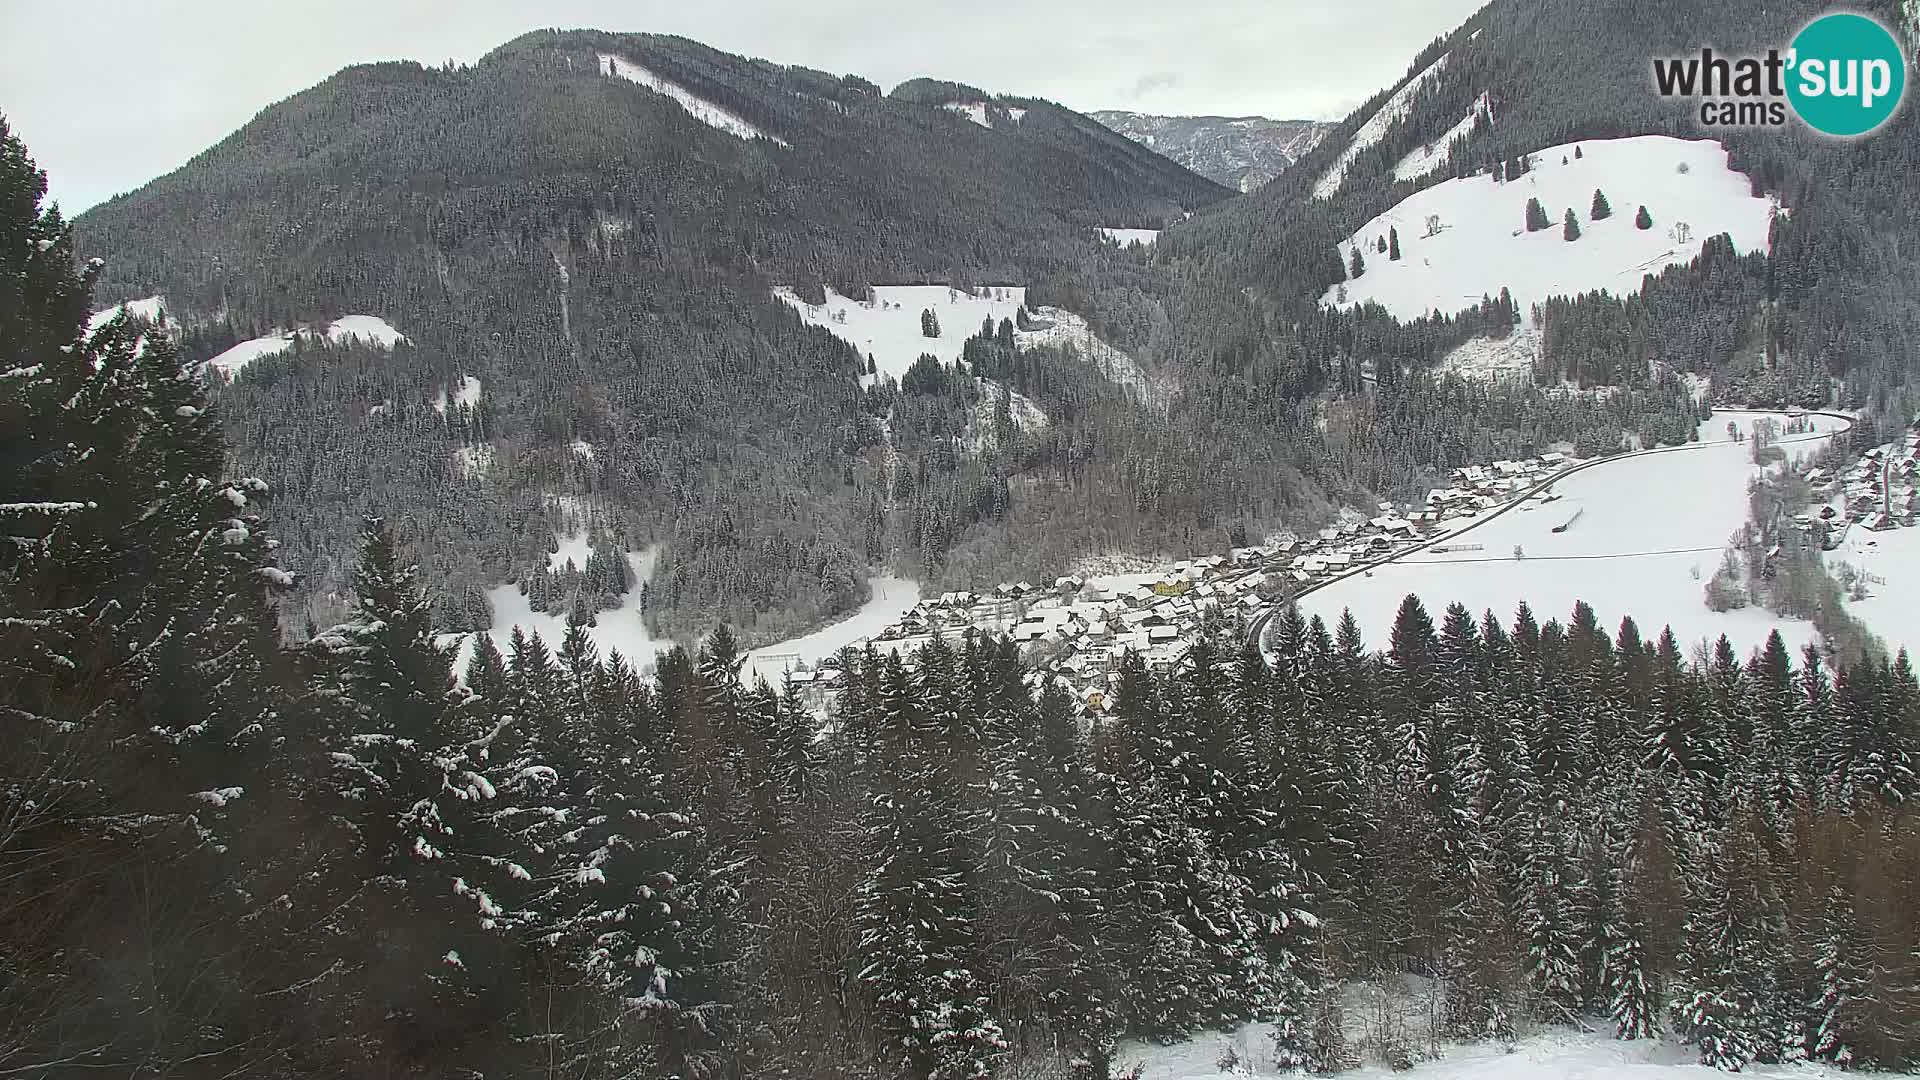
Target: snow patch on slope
x=468, y=395
x=699, y=108
x=888, y=327
x=972, y=110
x=1059, y=328
x=1422, y=160
x=620, y=628
x=1375, y=129
x=474, y=462
x=370, y=329
x=1495, y=359
x=151, y=308
x=1481, y=246
x=1129, y=237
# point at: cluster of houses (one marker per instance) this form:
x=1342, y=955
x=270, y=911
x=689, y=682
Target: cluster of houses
x=1077, y=630
x=1879, y=491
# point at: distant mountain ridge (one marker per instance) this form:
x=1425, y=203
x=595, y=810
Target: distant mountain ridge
x=1240, y=152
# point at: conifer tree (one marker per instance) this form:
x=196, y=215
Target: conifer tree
x=1393, y=244
x=1600, y=210
x=1536, y=216
x=1570, y=230
x=1356, y=264
x=1642, y=220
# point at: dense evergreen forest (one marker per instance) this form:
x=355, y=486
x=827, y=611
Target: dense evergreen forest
x=226, y=857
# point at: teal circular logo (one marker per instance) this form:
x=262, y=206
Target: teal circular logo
x=1847, y=74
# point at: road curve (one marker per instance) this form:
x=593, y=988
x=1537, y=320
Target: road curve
x=1257, y=629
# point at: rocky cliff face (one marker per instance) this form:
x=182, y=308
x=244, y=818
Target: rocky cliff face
x=1241, y=152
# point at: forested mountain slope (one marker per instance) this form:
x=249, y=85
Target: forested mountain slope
x=600, y=259
x=1242, y=152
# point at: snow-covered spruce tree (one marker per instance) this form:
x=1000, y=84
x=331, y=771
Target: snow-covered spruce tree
x=1714, y=1009
x=1356, y=263
x=1601, y=209
x=929, y=323
x=913, y=908
x=137, y=668
x=1642, y=220
x=1570, y=226
x=1393, y=244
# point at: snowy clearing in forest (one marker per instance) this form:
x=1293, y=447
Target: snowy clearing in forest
x=620, y=628
x=1375, y=129
x=699, y=108
x=1892, y=607
x=1550, y=1054
x=1465, y=238
x=887, y=328
x=468, y=395
x=1422, y=160
x=1130, y=237
x=150, y=308
x=972, y=110
x=1486, y=358
x=1060, y=328
x=474, y=462
x=365, y=329
x=1647, y=533
x=890, y=601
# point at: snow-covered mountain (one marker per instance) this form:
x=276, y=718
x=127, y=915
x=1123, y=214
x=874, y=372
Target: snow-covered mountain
x=1242, y=152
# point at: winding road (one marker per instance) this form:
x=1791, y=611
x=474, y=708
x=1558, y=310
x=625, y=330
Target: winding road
x=1257, y=629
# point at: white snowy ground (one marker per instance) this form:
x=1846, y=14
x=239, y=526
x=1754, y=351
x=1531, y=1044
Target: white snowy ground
x=370, y=329
x=1129, y=237
x=1479, y=357
x=1483, y=245
x=972, y=110
x=619, y=628
x=1892, y=610
x=891, y=600
x=1554, y=1054
x=888, y=328
x=1375, y=129
x=696, y=106
x=1648, y=523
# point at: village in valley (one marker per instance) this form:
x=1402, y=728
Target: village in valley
x=1078, y=628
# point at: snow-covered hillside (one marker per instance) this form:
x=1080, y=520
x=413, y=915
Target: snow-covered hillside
x=696, y=106
x=368, y=329
x=1646, y=533
x=1129, y=237
x=1375, y=129
x=1422, y=160
x=887, y=328
x=1465, y=238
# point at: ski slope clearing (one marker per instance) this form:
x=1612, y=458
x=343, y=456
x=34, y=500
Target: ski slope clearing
x=1892, y=607
x=1553, y=1054
x=151, y=308
x=1481, y=244
x=887, y=328
x=1641, y=529
x=890, y=601
x=620, y=628
x=365, y=329
x=1375, y=129
x=1130, y=237
x=696, y=106
x=1422, y=160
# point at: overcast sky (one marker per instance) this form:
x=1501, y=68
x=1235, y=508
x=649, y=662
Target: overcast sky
x=111, y=93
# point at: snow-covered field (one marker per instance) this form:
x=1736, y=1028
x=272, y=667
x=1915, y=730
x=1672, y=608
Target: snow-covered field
x=1422, y=160
x=369, y=329
x=1553, y=1054
x=620, y=628
x=1129, y=237
x=888, y=327
x=1375, y=129
x=1646, y=526
x=1892, y=608
x=696, y=106
x=1482, y=243
x=891, y=600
